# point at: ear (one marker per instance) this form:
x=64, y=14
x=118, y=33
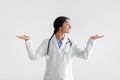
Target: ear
x=60, y=28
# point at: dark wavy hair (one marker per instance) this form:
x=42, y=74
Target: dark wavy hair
x=57, y=24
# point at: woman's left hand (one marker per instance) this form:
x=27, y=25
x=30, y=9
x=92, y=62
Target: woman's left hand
x=96, y=37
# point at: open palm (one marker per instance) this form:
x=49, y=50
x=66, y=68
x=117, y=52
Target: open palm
x=24, y=37
x=96, y=37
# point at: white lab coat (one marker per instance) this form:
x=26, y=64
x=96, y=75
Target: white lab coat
x=59, y=62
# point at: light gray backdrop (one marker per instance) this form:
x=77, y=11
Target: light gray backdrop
x=35, y=18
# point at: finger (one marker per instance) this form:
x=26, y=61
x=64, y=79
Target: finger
x=100, y=36
x=25, y=35
x=96, y=35
x=18, y=36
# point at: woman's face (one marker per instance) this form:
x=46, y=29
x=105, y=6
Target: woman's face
x=65, y=28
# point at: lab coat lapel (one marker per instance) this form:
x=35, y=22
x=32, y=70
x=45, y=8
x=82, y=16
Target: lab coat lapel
x=55, y=45
x=64, y=42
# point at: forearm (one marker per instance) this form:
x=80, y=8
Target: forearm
x=84, y=53
x=30, y=49
x=87, y=49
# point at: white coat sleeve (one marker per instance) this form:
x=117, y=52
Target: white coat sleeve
x=78, y=52
x=40, y=52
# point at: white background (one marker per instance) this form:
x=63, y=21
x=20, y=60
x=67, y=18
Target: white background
x=35, y=18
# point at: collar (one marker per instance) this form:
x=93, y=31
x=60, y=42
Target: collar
x=54, y=41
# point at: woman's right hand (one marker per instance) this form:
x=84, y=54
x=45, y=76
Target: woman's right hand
x=24, y=37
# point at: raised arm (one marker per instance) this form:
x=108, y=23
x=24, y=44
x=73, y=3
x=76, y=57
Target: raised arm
x=32, y=53
x=77, y=51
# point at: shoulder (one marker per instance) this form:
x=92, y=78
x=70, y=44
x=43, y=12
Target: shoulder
x=72, y=41
x=45, y=41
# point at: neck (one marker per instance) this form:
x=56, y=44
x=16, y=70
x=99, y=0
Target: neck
x=59, y=35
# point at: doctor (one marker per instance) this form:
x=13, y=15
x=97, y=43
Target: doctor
x=58, y=50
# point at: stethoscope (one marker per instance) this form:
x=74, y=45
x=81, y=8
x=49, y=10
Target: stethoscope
x=69, y=42
x=65, y=44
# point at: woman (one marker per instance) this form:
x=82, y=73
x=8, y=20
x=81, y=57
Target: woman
x=58, y=50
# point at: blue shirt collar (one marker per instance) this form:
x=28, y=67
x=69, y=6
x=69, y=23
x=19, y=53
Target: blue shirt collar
x=59, y=42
